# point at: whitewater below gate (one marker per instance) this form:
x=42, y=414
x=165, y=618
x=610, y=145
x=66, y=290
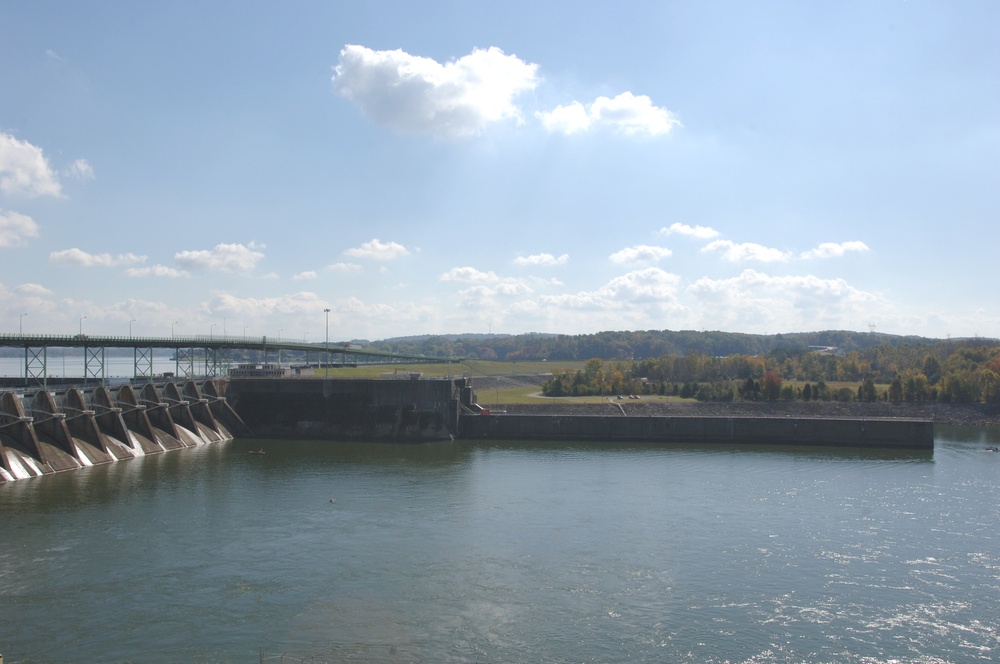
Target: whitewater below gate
x=508, y=552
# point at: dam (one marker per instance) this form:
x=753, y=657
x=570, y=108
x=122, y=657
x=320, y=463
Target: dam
x=435, y=409
x=46, y=432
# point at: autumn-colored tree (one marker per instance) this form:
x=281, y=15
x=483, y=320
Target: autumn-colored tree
x=771, y=386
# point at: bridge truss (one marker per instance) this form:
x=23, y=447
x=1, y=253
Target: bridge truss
x=194, y=357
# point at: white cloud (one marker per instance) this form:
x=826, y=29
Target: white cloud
x=568, y=119
x=378, y=251
x=642, y=252
x=757, y=300
x=702, y=232
x=15, y=228
x=235, y=258
x=747, y=251
x=513, y=287
x=24, y=170
x=301, y=303
x=542, y=260
x=156, y=271
x=477, y=297
x=305, y=276
x=344, y=267
x=835, y=250
x=413, y=94
x=480, y=295
x=302, y=314
x=649, y=285
x=627, y=114
x=470, y=275
x=80, y=170
x=485, y=284
x=33, y=290
x=79, y=258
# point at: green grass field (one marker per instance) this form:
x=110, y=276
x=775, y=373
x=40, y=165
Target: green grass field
x=511, y=395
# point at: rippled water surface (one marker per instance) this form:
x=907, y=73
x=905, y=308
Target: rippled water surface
x=497, y=552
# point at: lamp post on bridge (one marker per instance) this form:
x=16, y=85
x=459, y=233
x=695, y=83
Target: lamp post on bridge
x=327, y=311
x=177, y=351
x=130, y=328
x=20, y=333
x=82, y=318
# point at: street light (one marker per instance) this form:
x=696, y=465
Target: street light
x=20, y=324
x=172, y=329
x=130, y=328
x=327, y=342
x=82, y=318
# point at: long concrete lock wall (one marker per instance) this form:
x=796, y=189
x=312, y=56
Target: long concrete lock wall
x=48, y=432
x=444, y=408
x=874, y=433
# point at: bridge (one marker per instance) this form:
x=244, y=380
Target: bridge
x=194, y=356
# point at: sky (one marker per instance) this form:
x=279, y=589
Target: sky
x=237, y=168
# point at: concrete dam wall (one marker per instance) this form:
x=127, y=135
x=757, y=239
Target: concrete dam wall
x=435, y=409
x=375, y=409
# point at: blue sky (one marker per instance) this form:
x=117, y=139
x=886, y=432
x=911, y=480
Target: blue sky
x=506, y=167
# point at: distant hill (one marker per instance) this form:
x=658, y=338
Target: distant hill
x=642, y=344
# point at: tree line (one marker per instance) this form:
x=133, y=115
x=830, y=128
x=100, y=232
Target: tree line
x=629, y=345
x=946, y=371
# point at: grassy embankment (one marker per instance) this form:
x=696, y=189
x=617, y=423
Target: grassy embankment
x=513, y=394
x=506, y=394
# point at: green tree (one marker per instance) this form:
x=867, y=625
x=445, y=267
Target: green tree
x=867, y=392
x=932, y=370
x=896, y=389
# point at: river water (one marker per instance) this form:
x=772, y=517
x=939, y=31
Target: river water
x=503, y=552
